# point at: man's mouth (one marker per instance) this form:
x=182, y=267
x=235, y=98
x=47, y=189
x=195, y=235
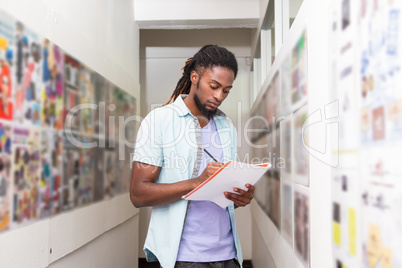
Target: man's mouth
x=214, y=104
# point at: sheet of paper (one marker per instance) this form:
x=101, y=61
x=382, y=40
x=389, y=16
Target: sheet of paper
x=231, y=175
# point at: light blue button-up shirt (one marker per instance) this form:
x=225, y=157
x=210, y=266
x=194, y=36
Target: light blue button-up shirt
x=170, y=137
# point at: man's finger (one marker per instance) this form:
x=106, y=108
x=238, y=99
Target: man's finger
x=250, y=187
x=238, y=204
x=244, y=193
x=217, y=164
x=237, y=198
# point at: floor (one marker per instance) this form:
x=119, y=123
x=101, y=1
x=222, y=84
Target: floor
x=142, y=263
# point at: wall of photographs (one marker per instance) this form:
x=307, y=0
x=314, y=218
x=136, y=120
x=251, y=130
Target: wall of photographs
x=357, y=178
x=279, y=115
x=44, y=170
x=366, y=46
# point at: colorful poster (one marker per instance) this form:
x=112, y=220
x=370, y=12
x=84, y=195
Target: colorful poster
x=345, y=185
x=381, y=202
x=345, y=209
x=7, y=70
x=267, y=191
x=300, y=142
x=274, y=150
x=299, y=86
x=52, y=173
x=286, y=86
x=262, y=192
x=302, y=225
x=100, y=112
x=29, y=82
x=337, y=231
x=71, y=93
x=274, y=202
x=345, y=234
x=124, y=165
x=53, y=90
x=272, y=100
x=346, y=177
x=125, y=109
x=27, y=170
x=286, y=149
x=110, y=115
x=381, y=132
x=71, y=171
x=99, y=172
x=119, y=100
x=380, y=81
x=344, y=69
x=86, y=179
x=109, y=184
x=257, y=128
x=87, y=96
x=5, y=175
x=287, y=213
x=118, y=170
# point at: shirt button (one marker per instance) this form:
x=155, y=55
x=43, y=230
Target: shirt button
x=196, y=125
x=199, y=148
x=195, y=171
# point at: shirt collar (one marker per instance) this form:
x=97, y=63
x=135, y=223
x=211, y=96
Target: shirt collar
x=182, y=109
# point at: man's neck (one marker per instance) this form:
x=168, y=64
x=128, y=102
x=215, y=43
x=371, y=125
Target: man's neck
x=203, y=119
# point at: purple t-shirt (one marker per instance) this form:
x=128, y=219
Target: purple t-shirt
x=207, y=234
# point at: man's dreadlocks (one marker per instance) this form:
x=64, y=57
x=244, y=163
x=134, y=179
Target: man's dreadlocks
x=207, y=57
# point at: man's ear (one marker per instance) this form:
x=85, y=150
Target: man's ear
x=194, y=76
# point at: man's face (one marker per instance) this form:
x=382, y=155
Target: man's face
x=212, y=89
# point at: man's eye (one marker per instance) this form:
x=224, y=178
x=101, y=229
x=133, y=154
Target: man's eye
x=214, y=87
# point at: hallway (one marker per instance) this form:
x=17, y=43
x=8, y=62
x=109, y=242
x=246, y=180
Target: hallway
x=317, y=95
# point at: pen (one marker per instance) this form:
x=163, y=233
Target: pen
x=210, y=155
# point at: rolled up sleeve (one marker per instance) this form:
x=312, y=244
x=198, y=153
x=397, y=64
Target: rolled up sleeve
x=148, y=146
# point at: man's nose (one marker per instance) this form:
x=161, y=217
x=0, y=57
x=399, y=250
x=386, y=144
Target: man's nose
x=218, y=95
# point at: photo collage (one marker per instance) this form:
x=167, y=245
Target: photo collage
x=283, y=192
x=59, y=129
x=366, y=187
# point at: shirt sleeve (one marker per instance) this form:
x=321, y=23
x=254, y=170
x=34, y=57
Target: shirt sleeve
x=148, y=146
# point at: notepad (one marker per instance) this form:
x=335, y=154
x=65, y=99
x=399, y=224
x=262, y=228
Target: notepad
x=231, y=175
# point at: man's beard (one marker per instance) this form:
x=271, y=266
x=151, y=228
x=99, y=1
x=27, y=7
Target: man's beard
x=205, y=112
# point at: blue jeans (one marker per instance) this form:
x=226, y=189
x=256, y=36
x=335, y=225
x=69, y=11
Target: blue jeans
x=216, y=264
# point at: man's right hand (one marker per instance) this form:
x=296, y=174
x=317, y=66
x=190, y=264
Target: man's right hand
x=144, y=191
x=209, y=170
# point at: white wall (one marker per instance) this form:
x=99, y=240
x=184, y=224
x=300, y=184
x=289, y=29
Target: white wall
x=102, y=34
x=183, y=14
x=115, y=248
x=105, y=231
x=261, y=256
x=163, y=54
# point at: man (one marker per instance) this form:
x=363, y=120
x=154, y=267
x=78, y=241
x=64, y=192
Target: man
x=170, y=161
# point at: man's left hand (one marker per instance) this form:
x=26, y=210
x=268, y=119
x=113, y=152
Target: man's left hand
x=241, y=198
